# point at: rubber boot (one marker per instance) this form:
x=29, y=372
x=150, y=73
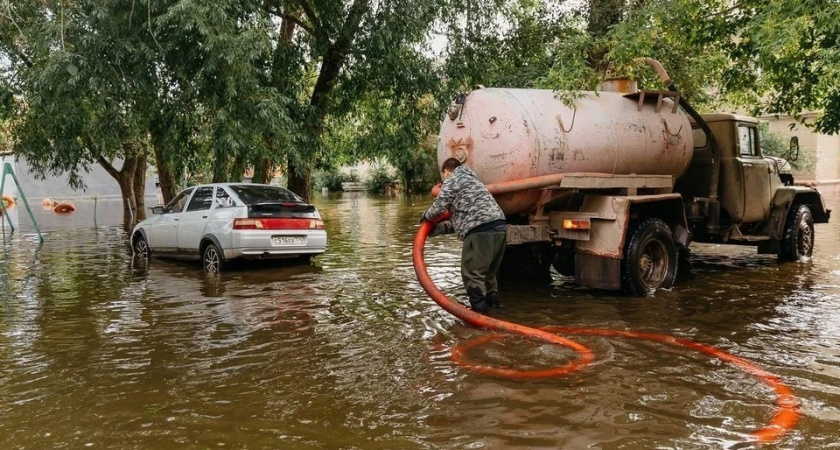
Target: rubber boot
x=479, y=306
x=478, y=302
x=493, y=299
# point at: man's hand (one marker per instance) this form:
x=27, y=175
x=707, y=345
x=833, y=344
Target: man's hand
x=444, y=227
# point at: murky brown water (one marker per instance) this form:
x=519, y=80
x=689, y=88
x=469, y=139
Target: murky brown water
x=350, y=353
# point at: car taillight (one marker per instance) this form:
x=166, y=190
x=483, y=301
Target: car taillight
x=247, y=224
x=278, y=224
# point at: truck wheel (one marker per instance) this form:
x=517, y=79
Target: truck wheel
x=798, y=241
x=650, y=258
x=211, y=259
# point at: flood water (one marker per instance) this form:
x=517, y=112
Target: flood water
x=349, y=352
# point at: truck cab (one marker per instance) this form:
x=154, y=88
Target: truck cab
x=755, y=192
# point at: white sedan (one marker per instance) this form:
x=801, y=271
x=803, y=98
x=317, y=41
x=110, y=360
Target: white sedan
x=223, y=221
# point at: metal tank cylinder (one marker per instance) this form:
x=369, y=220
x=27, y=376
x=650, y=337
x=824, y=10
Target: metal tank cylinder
x=512, y=134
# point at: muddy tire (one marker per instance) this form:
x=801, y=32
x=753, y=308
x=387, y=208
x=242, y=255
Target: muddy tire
x=798, y=241
x=650, y=258
x=140, y=247
x=211, y=260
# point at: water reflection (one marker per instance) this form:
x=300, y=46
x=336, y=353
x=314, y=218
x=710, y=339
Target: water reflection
x=350, y=353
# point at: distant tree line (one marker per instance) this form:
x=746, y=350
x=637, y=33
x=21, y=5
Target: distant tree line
x=215, y=88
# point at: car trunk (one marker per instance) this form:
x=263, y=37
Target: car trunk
x=281, y=210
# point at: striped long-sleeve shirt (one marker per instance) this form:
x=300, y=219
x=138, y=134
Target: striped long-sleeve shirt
x=467, y=200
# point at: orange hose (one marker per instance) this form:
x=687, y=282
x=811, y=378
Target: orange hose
x=480, y=320
x=783, y=421
x=517, y=185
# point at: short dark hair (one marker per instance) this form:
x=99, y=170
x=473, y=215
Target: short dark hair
x=450, y=164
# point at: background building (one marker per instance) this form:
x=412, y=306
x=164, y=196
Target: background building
x=823, y=149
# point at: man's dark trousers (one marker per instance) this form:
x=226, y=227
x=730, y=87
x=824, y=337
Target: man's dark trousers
x=481, y=258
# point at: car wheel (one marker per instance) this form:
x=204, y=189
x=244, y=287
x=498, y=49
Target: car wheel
x=211, y=259
x=650, y=258
x=798, y=241
x=141, y=247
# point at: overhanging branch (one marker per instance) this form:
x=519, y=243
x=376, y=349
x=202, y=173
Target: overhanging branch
x=295, y=21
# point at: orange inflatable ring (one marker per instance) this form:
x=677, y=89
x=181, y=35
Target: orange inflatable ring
x=64, y=208
x=8, y=201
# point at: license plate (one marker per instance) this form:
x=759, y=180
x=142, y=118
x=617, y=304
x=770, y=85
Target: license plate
x=287, y=240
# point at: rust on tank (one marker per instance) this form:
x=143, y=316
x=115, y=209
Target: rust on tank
x=621, y=85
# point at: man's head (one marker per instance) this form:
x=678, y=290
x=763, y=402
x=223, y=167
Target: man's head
x=448, y=167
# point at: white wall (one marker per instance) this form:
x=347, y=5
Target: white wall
x=823, y=148
x=98, y=184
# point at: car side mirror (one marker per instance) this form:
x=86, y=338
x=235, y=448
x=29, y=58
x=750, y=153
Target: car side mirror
x=793, y=152
x=157, y=210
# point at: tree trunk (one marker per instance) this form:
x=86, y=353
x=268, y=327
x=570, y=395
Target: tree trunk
x=237, y=172
x=139, y=182
x=603, y=15
x=263, y=172
x=126, y=179
x=166, y=174
x=300, y=180
x=221, y=167
x=300, y=172
x=264, y=166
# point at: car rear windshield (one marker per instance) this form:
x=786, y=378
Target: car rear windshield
x=253, y=194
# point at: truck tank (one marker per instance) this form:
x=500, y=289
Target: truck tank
x=512, y=134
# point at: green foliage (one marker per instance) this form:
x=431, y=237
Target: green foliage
x=380, y=181
x=209, y=88
x=330, y=179
x=423, y=173
x=774, y=145
x=766, y=57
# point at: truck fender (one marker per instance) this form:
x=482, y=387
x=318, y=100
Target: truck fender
x=784, y=199
x=611, y=216
x=598, y=259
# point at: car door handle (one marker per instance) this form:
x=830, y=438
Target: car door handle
x=203, y=217
x=176, y=219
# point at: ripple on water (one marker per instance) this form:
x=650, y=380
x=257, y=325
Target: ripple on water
x=350, y=353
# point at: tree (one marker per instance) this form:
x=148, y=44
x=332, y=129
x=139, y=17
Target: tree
x=78, y=107
x=370, y=52
x=767, y=57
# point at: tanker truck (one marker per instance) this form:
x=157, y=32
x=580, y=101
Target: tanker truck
x=612, y=187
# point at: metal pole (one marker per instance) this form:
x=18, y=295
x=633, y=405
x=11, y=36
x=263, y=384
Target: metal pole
x=3, y=211
x=7, y=169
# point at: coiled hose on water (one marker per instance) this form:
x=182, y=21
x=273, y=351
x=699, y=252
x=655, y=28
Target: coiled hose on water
x=787, y=406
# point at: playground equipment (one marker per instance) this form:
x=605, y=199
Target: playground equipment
x=7, y=170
